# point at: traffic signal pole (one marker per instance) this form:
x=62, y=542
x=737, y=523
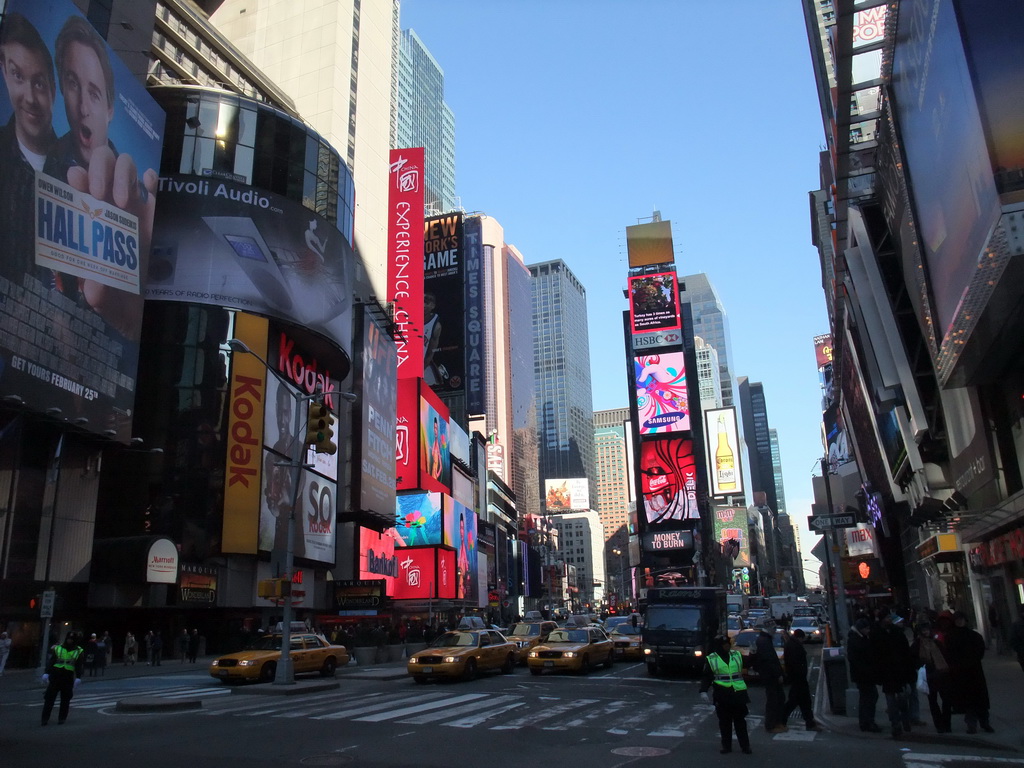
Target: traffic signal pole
x=285, y=674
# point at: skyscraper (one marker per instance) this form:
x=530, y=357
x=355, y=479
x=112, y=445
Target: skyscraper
x=423, y=119
x=756, y=434
x=336, y=59
x=612, y=476
x=501, y=402
x=562, y=373
x=780, y=492
x=711, y=324
x=709, y=381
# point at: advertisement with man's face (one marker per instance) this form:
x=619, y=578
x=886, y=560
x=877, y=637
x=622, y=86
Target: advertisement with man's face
x=668, y=476
x=418, y=519
x=662, y=401
x=315, y=509
x=460, y=535
x=654, y=302
x=80, y=148
x=228, y=244
x=444, y=299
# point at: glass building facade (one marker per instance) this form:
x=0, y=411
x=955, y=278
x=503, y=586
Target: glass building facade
x=561, y=372
x=217, y=134
x=711, y=324
x=425, y=120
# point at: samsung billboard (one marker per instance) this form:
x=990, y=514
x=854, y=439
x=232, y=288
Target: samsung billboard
x=662, y=402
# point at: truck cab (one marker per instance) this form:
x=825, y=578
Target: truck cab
x=679, y=624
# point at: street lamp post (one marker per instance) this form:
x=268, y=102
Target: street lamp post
x=622, y=574
x=285, y=673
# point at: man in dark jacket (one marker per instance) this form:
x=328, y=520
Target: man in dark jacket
x=896, y=669
x=769, y=670
x=860, y=657
x=794, y=658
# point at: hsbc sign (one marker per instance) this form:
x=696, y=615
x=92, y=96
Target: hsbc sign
x=656, y=339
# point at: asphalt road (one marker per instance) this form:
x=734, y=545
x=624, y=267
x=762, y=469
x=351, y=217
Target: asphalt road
x=614, y=717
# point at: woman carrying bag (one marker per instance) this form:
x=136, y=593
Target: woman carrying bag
x=932, y=657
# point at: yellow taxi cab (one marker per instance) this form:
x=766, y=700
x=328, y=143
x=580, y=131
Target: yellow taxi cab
x=573, y=649
x=627, y=642
x=310, y=652
x=528, y=634
x=463, y=654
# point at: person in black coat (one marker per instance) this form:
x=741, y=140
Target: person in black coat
x=794, y=658
x=769, y=670
x=968, y=688
x=897, y=670
x=863, y=674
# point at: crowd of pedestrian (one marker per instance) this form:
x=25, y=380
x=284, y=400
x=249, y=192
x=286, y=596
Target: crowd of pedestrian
x=940, y=657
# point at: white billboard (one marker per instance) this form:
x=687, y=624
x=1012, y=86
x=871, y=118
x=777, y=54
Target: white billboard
x=567, y=495
x=721, y=439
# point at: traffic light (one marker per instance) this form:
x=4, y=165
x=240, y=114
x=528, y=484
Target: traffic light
x=318, y=429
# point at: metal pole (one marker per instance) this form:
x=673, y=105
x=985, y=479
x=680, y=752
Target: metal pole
x=840, y=618
x=285, y=674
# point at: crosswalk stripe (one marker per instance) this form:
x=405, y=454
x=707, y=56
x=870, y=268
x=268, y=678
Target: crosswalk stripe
x=473, y=706
x=644, y=715
x=470, y=722
x=260, y=703
x=419, y=708
x=605, y=711
x=536, y=717
x=377, y=707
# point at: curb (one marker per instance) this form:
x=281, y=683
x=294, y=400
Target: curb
x=299, y=687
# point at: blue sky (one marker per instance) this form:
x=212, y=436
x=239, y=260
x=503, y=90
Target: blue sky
x=577, y=118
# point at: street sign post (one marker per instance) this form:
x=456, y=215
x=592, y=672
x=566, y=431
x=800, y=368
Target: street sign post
x=821, y=523
x=46, y=605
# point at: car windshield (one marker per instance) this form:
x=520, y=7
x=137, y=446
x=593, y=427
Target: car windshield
x=268, y=643
x=526, y=630
x=451, y=639
x=673, y=617
x=568, y=636
x=744, y=639
x=626, y=629
x=734, y=622
x=802, y=623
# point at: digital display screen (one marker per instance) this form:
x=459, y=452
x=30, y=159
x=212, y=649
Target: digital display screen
x=246, y=247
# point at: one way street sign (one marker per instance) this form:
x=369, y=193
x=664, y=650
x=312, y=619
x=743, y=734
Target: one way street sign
x=821, y=523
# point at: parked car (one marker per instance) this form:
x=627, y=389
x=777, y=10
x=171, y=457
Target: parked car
x=310, y=652
x=463, y=655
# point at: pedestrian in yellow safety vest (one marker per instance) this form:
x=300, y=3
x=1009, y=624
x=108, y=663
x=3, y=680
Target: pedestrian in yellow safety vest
x=723, y=675
x=63, y=674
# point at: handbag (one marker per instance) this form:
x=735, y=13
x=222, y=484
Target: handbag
x=922, y=680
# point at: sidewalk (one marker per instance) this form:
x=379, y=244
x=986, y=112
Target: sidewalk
x=1004, y=677
x=28, y=679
